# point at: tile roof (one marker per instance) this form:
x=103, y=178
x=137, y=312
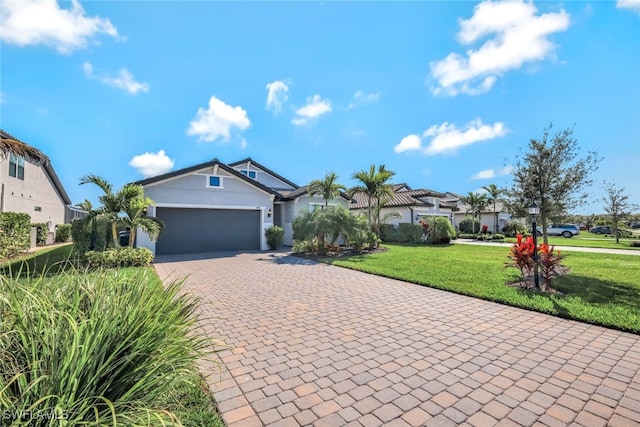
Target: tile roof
x=403, y=195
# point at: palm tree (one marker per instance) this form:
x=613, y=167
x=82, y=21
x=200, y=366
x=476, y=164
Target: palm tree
x=328, y=187
x=135, y=215
x=10, y=145
x=113, y=203
x=377, y=189
x=476, y=202
x=494, y=194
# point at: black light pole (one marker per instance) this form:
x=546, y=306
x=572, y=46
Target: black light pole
x=534, y=211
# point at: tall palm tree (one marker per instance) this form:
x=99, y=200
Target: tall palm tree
x=494, y=194
x=476, y=202
x=376, y=187
x=328, y=187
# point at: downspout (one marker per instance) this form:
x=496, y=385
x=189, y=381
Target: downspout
x=411, y=210
x=2, y=198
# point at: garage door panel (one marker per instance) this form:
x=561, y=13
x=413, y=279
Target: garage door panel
x=206, y=230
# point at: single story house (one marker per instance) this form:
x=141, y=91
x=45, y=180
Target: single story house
x=407, y=205
x=487, y=216
x=213, y=206
x=28, y=183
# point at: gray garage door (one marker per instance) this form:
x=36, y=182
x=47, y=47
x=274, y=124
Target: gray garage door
x=206, y=230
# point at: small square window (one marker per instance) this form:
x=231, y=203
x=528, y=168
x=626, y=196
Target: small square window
x=250, y=174
x=214, y=181
x=37, y=208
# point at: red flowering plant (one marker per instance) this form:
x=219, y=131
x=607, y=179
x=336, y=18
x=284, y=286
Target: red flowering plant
x=521, y=255
x=549, y=263
x=485, y=229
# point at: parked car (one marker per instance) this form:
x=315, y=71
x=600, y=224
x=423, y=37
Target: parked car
x=582, y=227
x=602, y=229
x=636, y=225
x=564, y=230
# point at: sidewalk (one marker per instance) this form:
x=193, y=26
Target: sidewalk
x=562, y=248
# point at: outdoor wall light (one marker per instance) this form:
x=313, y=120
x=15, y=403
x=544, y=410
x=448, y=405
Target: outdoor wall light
x=269, y=213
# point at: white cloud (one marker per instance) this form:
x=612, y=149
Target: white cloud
x=316, y=106
x=36, y=22
x=633, y=5
x=485, y=174
x=218, y=121
x=515, y=36
x=446, y=138
x=408, y=143
x=277, y=95
x=152, y=164
x=361, y=98
x=123, y=80
x=491, y=173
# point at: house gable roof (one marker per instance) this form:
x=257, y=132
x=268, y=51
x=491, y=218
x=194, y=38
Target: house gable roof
x=266, y=169
x=10, y=144
x=211, y=163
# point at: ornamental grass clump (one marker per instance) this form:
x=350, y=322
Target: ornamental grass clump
x=103, y=348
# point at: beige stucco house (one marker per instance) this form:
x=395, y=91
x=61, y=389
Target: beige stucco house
x=30, y=185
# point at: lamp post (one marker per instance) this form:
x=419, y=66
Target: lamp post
x=534, y=210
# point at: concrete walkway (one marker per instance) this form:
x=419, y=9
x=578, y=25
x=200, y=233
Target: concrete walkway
x=561, y=248
x=312, y=344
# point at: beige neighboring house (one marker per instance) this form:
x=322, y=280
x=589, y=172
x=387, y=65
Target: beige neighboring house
x=487, y=216
x=28, y=183
x=408, y=205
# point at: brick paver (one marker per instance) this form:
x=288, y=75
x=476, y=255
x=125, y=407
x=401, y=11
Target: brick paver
x=312, y=344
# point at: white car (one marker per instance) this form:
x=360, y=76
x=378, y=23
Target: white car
x=564, y=230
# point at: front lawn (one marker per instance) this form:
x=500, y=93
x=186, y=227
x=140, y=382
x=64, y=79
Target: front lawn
x=49, y=260
x=601, y=289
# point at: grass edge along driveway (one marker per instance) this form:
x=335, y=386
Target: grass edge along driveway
x=601, y=289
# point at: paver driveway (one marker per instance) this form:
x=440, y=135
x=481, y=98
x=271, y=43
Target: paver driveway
x=312, y=344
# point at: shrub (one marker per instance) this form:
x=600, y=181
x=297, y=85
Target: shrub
x=485, y=229
x=521, y=255
x=98, y=349
x=548, y=261
x=305, y=246
x=275, y=236
x=634, y=244
x=14, y=233
x=441, y=231
x=63, y=233
x=331, y=222
x=409, y=233
x=90, y=234
x=512, y=228
x=42, y=230
x=469, y=225
x=466, y=236
x=122, y=257
x=388, y=233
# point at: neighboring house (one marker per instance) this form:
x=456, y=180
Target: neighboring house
x=28, y=183
x=407, y=205
x=215, y=206
x=487, y=216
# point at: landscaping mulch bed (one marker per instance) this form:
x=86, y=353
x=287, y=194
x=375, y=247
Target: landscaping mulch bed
x=529, y=282
x=343, y=252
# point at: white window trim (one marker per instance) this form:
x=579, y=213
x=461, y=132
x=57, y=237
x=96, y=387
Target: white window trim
x=248, y=171
x=219, y=187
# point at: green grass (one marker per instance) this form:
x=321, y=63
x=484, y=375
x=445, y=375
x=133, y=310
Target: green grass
x=109, y=347
x=599, y=289
x=48, y=260
x=587, y=240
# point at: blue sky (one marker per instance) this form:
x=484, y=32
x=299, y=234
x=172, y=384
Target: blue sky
x=443, y=93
